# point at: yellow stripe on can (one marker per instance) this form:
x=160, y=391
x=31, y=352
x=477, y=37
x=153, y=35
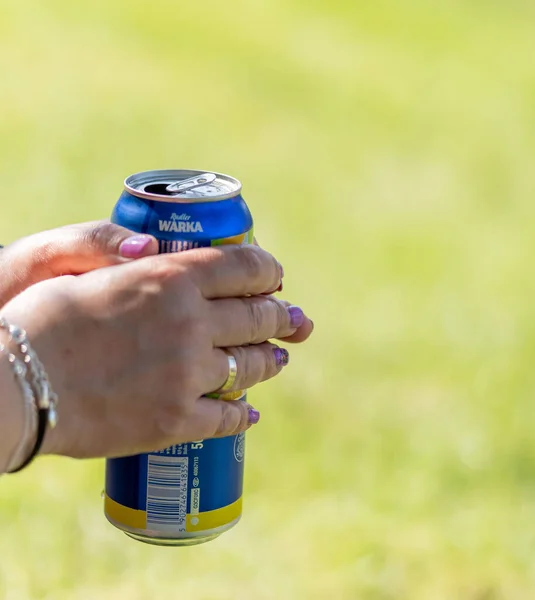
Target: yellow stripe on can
x=204, y=521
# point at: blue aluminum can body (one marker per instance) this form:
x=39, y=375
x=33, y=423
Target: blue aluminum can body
x=189, y=493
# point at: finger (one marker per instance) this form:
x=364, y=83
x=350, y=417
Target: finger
x=280, y=287
x=302, y=333
x=239, y=321
x=207, y=419
x=217, y=418
x=229, y=271
x=254, y=364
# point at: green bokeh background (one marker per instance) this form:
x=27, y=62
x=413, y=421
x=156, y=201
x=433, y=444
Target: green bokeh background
x=386, y=151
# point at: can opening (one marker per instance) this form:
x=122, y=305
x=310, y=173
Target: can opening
x=158, y=188
x=182, y=185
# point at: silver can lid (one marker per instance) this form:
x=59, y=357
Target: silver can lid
x=182, y=185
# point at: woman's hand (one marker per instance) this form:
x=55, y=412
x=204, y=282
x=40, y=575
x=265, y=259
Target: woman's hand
x=131, y=350
x=70, y=250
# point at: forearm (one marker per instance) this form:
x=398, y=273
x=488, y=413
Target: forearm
x=11, y=411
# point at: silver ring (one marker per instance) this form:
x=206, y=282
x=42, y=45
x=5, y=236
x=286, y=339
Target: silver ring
x=232, y=374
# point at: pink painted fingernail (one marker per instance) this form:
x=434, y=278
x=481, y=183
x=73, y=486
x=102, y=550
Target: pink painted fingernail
x=282, y=356
x=134, y=247
x=297, y=316
x=254, y=416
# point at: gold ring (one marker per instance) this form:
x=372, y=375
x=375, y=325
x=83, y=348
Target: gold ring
x=232, y=374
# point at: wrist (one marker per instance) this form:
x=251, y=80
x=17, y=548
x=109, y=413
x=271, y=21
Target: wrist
x=42, y=324
x=11, y=409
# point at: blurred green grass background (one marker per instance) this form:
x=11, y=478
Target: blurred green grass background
x=386, y=150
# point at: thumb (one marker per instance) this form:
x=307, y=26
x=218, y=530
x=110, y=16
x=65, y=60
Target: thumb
x=77, y=249
x=71, y=250
x=218, y=418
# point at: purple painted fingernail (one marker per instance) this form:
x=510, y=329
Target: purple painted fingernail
x=254, y=416
x=282, y=356
x=297, y=316
x=133, y=247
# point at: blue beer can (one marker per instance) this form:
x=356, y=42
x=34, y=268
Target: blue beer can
x=189, y=493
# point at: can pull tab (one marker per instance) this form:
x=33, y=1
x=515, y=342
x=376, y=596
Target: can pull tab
x=188, y=184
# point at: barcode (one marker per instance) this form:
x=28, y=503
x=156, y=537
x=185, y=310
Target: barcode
x=167, y=492
x=176, y=246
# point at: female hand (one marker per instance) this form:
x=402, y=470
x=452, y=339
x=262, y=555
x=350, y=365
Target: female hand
x=132, y=349
x=70, y=250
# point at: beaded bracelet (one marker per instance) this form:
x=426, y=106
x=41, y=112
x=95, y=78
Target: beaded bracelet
x=43, y=399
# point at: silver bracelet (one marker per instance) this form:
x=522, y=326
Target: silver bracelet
x=27, y=440
x=38, y=393
x=45, y=396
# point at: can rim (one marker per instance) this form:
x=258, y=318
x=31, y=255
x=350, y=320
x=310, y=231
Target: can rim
x=178, y=199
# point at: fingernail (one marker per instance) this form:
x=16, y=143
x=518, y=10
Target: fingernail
x=282, y=356
x=279, y=289
x=282, y=270
x=133, y=247
x=297, y=316
x=254, y=416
